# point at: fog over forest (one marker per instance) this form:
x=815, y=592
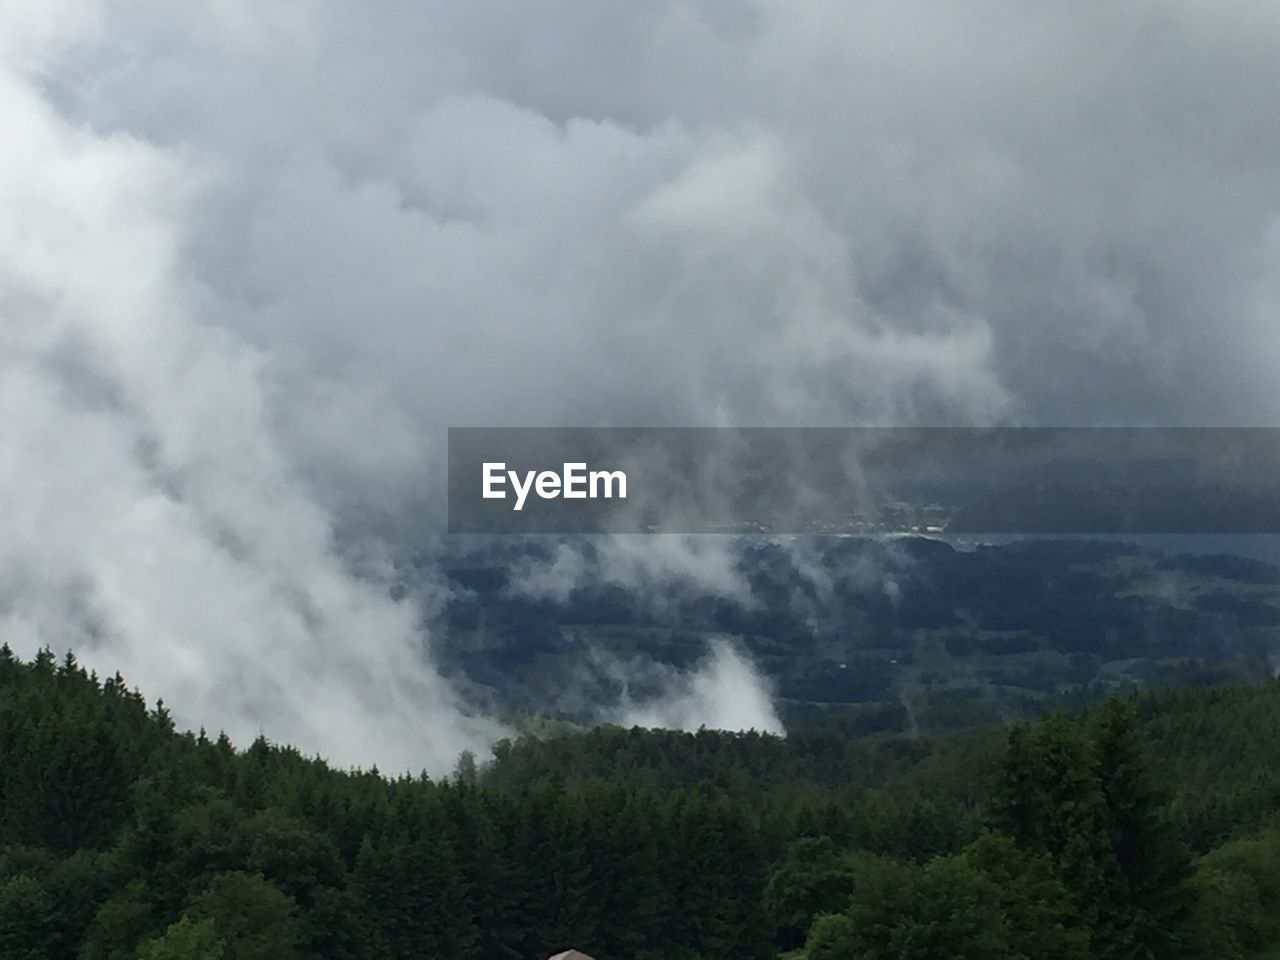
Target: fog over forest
x=256, y=258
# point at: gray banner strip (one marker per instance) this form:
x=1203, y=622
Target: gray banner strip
x=1101, y=481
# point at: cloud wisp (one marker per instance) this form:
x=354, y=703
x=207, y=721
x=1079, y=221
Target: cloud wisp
x=723, y=692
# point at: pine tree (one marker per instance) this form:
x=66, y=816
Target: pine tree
x=1153, y=896
x=27, y=928
x=1050, y=801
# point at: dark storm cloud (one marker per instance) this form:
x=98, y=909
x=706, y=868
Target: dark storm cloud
x=293, y=242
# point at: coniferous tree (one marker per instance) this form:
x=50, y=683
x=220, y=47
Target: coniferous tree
x=27, y=926
x=1050, y=801
x=1153, y=895
x=635, y=844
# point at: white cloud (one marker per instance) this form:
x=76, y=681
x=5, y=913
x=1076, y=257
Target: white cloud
x=724, y=692
x=151, y=521
x=254, y=258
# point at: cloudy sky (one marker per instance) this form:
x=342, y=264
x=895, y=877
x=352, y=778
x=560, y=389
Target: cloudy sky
x=254, y=258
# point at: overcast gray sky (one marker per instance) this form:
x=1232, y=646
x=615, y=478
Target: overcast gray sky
x=255, y=257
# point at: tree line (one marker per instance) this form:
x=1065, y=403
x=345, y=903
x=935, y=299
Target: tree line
x=1140, y=828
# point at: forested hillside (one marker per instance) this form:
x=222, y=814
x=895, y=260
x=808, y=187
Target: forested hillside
x=871, y=636
x=1143, y=828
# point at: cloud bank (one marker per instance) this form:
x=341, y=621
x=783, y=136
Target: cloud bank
x=254, y=258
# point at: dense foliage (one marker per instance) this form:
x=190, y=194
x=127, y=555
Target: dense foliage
x=123, y=838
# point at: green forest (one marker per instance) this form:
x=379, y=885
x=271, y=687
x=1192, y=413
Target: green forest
x=1139, y=827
